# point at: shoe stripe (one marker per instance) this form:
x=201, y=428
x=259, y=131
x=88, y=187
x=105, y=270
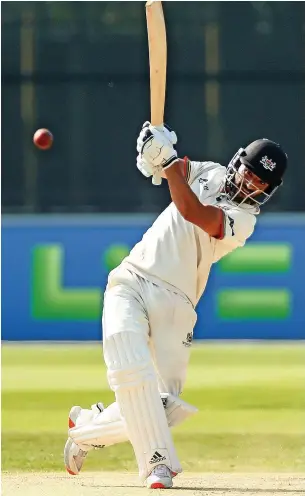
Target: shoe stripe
x=157, y=485
x=71, y=423
x=70, y=471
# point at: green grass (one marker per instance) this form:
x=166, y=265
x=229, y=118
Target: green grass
x=251, y=400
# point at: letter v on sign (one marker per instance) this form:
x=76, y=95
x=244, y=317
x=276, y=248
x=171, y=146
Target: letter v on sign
x=259, y=303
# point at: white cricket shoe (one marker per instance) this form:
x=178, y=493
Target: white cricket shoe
x=74, y=456
x=160, y=478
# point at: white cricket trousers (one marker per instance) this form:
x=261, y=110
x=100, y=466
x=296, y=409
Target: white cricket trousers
x=146, y=343
x=164, y=319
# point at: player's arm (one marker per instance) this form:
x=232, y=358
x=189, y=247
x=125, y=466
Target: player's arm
x=191, y=170
x=159, y=154
x=209, y=218
x=181, y=164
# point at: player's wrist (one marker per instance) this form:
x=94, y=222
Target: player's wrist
x=173, y=161
x=175, y=171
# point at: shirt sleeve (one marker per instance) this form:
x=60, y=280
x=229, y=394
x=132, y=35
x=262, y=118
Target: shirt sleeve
x=237, y=228
x=193, y=170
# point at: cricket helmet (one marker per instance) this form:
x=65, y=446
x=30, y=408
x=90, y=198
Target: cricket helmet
x=264, y=158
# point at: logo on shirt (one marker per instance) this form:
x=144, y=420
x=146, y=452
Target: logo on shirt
x=267, y=163
x=204, y=182
x=231, y=223
x=189, y=338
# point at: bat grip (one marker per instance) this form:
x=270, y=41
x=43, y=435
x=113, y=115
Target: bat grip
x=157, y=179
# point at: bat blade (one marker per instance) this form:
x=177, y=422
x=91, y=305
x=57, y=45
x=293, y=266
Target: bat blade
x=157, y=45
x=157, y=59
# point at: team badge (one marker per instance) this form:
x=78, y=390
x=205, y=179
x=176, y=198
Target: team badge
x=267, y=163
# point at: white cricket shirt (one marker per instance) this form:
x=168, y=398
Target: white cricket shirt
x=177, y=254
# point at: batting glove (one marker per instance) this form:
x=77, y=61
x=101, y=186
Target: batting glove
x=157, y=150
x=143, y=165
x=165, y=129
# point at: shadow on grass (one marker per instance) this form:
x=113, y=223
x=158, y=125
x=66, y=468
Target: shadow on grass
x=208, y=490
x=239, y=490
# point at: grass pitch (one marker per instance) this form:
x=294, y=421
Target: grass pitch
x=251, y=399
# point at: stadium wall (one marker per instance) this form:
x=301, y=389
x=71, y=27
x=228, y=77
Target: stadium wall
x=54, y=271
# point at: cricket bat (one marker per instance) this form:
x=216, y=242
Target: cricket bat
x=157, y=64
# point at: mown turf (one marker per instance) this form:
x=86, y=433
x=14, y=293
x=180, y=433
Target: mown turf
x=251, y=400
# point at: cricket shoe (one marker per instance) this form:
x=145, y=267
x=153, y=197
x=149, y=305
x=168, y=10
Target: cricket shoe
x=74, y=456
x=160, y=478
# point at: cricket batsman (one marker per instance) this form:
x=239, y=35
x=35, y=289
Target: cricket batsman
x=150, y=300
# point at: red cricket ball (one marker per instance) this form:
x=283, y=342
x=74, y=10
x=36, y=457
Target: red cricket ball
x=43, y=139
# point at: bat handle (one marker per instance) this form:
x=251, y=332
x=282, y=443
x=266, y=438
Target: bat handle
x=157, y=179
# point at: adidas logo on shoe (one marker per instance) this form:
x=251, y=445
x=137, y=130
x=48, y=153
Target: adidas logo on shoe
x=157, y=458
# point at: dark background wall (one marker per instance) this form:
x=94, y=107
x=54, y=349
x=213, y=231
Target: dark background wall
x=235, y=73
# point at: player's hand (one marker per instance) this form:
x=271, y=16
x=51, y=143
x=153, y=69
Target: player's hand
x=157, y=150
x=144, y=167
x=165, y=129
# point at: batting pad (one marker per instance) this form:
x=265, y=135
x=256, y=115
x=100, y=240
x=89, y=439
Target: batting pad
x=176, y=410
x=132, y=378
x=107, y=427
x=102, y=430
